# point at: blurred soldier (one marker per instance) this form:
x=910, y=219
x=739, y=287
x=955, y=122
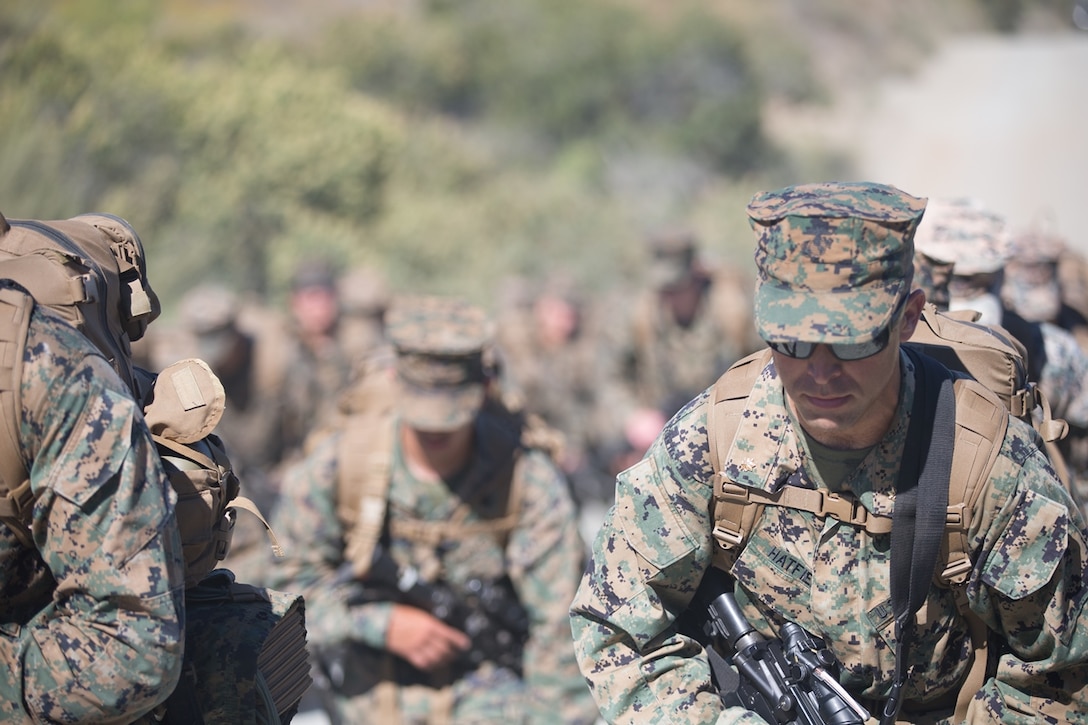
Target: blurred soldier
x=1034, y=286
x=675, y=338
x=975, y=241
x=438, y=549
x=551, y=365
x=318, y=368
x=364, y=298
x=213, y=329
x=551, y=361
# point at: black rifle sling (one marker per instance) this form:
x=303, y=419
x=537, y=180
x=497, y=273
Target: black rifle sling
x=916, y=531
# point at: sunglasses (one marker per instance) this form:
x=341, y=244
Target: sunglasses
x=844, y=352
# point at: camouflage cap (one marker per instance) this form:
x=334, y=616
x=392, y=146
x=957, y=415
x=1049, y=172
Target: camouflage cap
x=1036, y=247
x=208, y=307
x=313, y=273
x=440, y=345
x=967, y=234
x=835, y=260
x=933, y=278
x=209, y=311
x=363, y=291
x=1036, y=298
x=672, y=257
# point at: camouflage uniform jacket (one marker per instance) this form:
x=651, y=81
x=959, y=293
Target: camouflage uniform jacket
x=92, y=616
x=543, y=557
x=1027, y=584
x=1064, y=377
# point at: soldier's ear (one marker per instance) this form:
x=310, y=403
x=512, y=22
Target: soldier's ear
x=912, y=312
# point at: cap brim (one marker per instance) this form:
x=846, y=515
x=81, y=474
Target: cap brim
x=786, y=314
x=440, y=410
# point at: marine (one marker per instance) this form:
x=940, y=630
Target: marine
x=433, y=473
x=829, y=412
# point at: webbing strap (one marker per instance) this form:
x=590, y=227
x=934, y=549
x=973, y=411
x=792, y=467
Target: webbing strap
x=916, y=535
x=733, y=517
x=840, y=506
x=365, y=459
x=247, y=504
x=981, y=424
x=18, y=500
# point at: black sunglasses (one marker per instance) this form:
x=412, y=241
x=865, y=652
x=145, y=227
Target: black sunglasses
x=856, y=351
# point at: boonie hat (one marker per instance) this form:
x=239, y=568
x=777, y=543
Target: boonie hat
x=440, y=346
x=834, y=260
x=967, y=234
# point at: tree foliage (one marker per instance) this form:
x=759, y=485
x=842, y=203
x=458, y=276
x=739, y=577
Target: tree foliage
x=450, y=143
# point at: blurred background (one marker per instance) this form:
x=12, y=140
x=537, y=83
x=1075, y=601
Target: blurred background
x=457, y=145
x=513, y=152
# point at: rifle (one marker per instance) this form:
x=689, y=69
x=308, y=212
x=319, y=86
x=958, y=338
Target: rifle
x=487, y=610
x=790, y=680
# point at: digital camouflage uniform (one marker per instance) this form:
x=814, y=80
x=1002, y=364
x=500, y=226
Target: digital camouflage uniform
x=92, y=617
x=542, y=555
x=1027, y=538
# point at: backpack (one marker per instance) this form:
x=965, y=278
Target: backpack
x=987, y=361
x=90, y=270
x=998, y=360
x=367, y=419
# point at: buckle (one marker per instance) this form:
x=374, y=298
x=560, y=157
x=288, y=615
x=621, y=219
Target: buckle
x=956, y=572
x=841, y=508
x=733, y=492
x=726, y=538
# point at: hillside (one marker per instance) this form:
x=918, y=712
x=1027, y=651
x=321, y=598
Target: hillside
x=451, y=145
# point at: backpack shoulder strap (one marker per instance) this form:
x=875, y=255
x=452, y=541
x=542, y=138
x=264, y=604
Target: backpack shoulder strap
x=364, y=462
x=981, y=423
x=16, y=306
x=733, y=516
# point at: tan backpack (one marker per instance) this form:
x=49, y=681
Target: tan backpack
x=998, y=360
x=368, y=421
x=90, y=270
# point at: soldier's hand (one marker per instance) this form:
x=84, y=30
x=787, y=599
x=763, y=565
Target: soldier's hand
x=424, y=640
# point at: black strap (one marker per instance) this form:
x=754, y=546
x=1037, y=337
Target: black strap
x=916, y=531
